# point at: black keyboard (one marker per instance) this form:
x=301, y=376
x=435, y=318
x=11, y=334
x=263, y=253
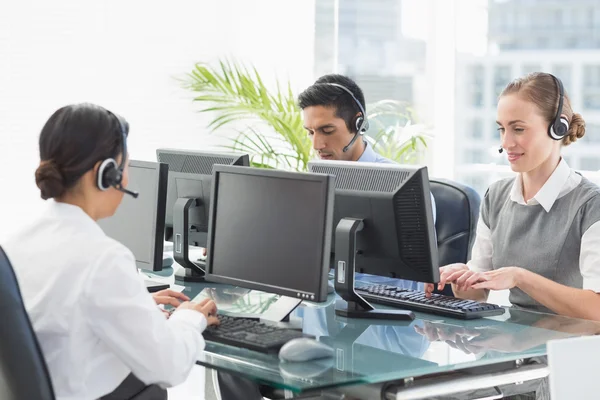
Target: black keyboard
x=437, y=304
x=250, y=334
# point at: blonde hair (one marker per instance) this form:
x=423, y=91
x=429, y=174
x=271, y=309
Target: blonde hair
x=541, y=89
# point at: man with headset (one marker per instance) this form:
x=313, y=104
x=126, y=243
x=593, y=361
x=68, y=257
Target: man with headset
x=334, y=116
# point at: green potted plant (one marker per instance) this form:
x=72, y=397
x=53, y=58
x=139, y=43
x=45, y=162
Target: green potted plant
x=269, y=123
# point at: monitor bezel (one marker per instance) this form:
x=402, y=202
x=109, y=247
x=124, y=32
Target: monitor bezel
x=320, y=294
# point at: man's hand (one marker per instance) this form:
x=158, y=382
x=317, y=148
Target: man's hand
x=206, y=307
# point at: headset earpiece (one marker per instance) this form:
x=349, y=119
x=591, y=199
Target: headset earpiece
x=108, y=174
x=359, y=123
x=362, y=125
x=559, y=128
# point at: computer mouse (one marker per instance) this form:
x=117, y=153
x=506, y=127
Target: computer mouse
x=306, y=371
x=304, y=349
x=330, y=287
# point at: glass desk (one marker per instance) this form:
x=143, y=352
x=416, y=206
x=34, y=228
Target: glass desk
x=371, y=353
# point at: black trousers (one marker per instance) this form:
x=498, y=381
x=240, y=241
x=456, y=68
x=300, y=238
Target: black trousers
x=133, y=389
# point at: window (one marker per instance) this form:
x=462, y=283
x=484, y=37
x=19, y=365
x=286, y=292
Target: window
x=474, y=156
x=476, y=82
x=386, y=44
x=502, y=76
x=476, y=128
x=591, y=99
x=523, y=20
x=591, y=75
x=590, y=17
x=540, y=43
x=592, y=132
x=557, y=16
x=589, y=163
x=477, y=182
x=581, y=18
x=494, y=133
x=563, y=72
x=591, y=87
x=529, y=68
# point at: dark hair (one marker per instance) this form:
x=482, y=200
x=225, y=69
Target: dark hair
x=72, y=141
x=331, y=96
x=541, y=89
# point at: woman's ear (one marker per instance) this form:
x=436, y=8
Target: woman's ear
x=94, y=174
x=97, y=167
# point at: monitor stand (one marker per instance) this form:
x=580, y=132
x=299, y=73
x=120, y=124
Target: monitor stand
x=345, y=254
x=181, y=240
x=280, y=310
x=189, y=275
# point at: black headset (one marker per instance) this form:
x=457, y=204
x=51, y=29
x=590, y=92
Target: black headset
x=110, y=174
x=361, y=123
x=559, y=127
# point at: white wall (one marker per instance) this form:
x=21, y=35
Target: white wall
x=125, y=56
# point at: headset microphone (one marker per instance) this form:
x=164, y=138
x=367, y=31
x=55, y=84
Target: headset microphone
x=345, y=149
x=133, y=194
x=500, y=150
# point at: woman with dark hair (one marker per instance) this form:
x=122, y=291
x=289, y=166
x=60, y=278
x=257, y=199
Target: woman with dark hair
x=100, y=331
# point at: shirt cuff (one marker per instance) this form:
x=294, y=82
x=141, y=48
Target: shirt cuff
x=592, y=284
x=191, y=317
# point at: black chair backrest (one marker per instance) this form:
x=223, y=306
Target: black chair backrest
x=457, y=212
x=23, y=370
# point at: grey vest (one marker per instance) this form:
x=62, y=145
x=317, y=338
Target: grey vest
x=546, y=243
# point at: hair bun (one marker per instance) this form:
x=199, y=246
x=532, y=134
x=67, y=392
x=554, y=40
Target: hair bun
x=50, y=180
x=576, y=129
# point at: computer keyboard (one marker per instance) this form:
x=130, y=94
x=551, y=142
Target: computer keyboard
x=437, y=304
x=250, y=334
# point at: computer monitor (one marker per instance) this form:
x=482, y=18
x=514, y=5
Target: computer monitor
x=383, y=225
x=139, y=223
x=188, y=200
x=270, y=230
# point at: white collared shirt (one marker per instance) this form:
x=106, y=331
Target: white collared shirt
x=562, y=181
x=91, y=312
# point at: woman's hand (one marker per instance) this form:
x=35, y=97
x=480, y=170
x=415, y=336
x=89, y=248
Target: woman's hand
x=169, y=297
x=448, y=274
x=206, y=307
x=500, y=279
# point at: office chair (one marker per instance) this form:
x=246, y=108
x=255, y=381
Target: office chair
x=23, y=371
x=457, y=209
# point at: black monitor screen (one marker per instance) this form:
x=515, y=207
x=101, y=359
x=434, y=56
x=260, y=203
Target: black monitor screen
x=271, y=230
